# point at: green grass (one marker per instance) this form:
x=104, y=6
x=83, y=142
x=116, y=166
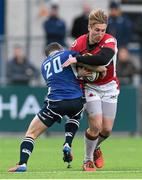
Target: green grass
x=123, y=159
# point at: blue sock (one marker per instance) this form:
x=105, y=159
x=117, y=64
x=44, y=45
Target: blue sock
x=26, y=149
x=71, y=128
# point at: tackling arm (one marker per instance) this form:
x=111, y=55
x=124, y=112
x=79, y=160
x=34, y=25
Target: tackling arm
x=100, y=59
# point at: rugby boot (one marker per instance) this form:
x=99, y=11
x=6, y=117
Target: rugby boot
x=89, y=166
x=18, y=168
x=98, y=158
x=67, y=155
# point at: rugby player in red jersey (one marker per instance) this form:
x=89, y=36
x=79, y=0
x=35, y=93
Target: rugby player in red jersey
x=102, y=94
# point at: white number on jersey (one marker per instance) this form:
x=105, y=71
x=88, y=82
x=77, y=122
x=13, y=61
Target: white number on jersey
x=56, y=64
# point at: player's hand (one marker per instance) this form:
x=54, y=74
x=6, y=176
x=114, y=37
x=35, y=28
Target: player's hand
x=70, y=61
x=83, y=72
x=103, y=74
x=100, y=68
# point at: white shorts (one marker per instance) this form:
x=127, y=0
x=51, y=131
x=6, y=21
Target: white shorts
x=102, y=99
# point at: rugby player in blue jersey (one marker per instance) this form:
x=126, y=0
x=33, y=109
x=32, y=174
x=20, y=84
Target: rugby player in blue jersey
x=64, y=97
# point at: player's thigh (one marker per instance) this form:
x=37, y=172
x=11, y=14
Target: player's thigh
x=109, y=105
x=73, y=108
x=35, y=128
x=94, y=113
x=49, y=114
x=93, y=105
x=109, y=112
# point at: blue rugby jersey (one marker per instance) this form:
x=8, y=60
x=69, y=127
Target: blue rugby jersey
x=61, y=82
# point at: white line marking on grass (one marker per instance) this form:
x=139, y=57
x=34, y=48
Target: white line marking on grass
x=78, y=171
x=120, y=171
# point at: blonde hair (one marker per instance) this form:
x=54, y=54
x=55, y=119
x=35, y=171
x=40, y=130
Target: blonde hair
x=97, y=17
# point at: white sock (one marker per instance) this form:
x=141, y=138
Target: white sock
x=90, y=145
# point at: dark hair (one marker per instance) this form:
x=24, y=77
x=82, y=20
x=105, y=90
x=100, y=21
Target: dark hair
x=53, y=47
x=114, y=5
x=54, y=6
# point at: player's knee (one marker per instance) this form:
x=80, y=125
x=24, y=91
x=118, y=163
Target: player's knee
x=95, y=126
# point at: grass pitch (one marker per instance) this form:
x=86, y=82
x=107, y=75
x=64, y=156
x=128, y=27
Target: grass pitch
x=123, y=159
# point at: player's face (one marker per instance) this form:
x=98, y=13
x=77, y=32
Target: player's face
x=96, y=33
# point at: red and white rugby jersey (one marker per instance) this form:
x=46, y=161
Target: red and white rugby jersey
x=80, y=45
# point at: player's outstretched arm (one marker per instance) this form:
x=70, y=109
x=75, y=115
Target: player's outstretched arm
x=102, y=58
x=70, y=61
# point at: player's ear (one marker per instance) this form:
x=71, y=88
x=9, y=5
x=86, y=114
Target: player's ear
x=89, y=27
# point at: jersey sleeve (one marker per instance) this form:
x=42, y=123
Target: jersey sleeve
x=74, y=53
x=110, y=42
x=42, y=71
x=74, y=46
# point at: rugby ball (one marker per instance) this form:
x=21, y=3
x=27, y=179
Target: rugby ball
x=93, y=77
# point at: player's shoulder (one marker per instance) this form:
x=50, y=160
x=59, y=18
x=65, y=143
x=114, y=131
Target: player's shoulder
x=70, y=52
x=81, y=39
x=45, y=60
x=108, y=38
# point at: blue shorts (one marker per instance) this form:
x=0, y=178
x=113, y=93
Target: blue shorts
x=53, y=111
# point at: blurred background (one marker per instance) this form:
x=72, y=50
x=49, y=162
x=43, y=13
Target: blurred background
x=26, y=26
